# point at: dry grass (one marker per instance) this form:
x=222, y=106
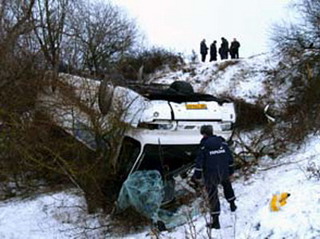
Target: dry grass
x=225, y=64
x=249, y=115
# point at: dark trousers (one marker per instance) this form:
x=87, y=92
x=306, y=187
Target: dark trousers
x=232, y=54
x=213, y=58
x=203, y=57
x=236, y=54
x=224, y=55
x=212, y=190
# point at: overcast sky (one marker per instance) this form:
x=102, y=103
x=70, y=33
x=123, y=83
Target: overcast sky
x=180, y=25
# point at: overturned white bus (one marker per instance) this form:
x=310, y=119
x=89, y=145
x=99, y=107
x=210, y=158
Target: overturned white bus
x=163, y=120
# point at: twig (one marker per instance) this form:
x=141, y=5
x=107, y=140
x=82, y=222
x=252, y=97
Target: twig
x=281, y=164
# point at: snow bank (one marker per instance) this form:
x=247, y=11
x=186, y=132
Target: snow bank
x=58, y=215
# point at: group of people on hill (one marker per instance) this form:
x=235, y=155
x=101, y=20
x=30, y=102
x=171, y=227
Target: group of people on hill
x=223, y=51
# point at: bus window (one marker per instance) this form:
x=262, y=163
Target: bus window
x=129, y=152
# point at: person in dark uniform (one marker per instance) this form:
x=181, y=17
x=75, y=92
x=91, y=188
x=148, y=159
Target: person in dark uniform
x=224, y=48
x=203, y=50
x=234, y=49
x=213, y=51
x=214, y=165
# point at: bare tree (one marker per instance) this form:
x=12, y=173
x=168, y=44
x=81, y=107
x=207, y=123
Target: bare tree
x=102, y=33
x=298, y=46
x=49, y=19
x=14, y=20
x=291, y=38
x=34, y=36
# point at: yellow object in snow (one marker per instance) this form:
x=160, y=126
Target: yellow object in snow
x=278, y=200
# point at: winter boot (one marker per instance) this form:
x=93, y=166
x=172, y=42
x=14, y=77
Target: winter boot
x=233, y=206
x=161, y=226
x=214, y=224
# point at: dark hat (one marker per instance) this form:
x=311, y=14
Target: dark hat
x=206, y=130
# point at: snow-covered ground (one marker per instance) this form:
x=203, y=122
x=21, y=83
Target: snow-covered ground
x=63, y=214
x=300, y=218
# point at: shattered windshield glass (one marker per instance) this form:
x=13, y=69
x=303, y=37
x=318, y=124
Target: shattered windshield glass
x=145, y=191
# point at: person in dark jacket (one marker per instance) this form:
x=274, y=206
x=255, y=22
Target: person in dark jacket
x=203, y=50
x=224, y=48
x=234, y=49
x=214, y=165
x=213, y=51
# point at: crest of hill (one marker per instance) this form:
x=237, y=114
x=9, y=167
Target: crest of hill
x=254, y=80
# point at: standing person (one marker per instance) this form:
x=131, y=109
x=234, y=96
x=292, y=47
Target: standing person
x=234, y=49
x=203, y=50
x=213, y=51
x=214, y=164
x=224, y=48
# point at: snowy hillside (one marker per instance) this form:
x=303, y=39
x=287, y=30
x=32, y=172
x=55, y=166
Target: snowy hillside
x=249, y=79
x=63, y=214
